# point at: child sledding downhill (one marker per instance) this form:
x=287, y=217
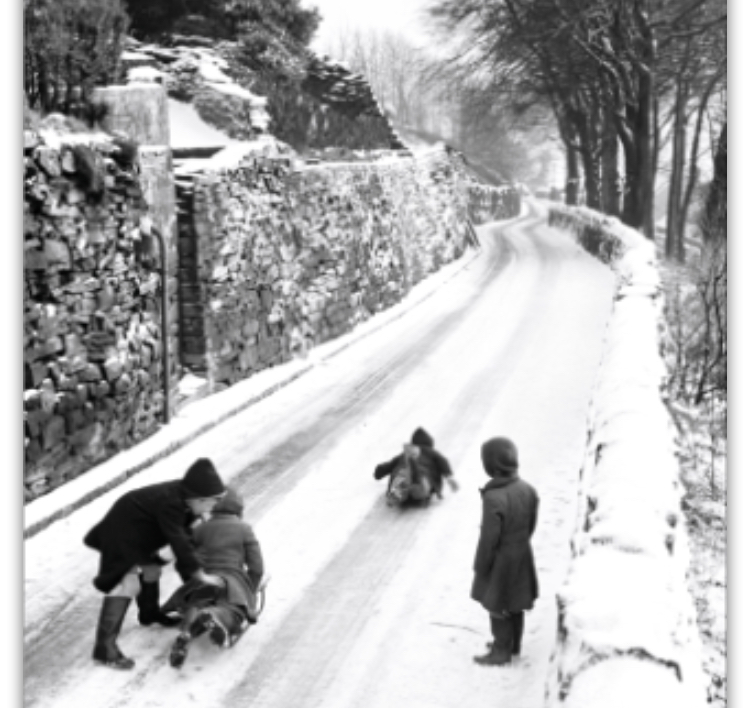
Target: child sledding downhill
x=417, y=473
x=228, y=547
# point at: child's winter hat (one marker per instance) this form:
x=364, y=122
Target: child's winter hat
x=422, y=437
x=202, y=480
x=500, y=457
x=230, y=503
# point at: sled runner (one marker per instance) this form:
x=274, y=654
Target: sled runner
x=259, y=606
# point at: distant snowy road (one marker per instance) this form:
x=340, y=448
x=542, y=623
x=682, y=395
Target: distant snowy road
x=367, y=607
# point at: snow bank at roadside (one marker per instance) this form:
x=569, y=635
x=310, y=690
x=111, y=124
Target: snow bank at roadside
x=627, y=632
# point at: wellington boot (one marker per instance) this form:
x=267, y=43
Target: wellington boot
x=517, y=620
x=148, y=606
x=108, y=629
x=493, y=658
x=501, y=648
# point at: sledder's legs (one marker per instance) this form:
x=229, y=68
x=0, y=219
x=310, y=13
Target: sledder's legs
x=179, y=651
x=220, y=621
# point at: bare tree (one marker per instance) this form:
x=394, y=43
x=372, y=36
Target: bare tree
x=596, y=64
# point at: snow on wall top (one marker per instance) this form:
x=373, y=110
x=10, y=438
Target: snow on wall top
x=627, y=632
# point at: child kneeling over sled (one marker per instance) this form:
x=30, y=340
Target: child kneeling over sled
x=226, y=547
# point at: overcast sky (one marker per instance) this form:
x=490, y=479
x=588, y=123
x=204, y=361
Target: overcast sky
x=399, y=15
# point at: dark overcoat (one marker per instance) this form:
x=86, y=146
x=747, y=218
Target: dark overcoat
x=139, y=524
x=504, y=571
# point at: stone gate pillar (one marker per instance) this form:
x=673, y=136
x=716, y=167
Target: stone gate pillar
x=140, y=111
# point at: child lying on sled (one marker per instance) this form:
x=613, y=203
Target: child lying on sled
x=227, y=548
x=417, y=473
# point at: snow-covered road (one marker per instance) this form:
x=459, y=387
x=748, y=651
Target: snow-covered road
x=368, y=607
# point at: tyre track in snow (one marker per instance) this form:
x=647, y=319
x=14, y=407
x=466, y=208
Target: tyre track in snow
x=263, y=483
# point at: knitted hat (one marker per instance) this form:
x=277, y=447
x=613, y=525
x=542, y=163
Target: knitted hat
x=230, y=503
x=202, y=480
x=500, y=457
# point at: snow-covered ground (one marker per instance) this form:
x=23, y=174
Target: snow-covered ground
x=367, y=606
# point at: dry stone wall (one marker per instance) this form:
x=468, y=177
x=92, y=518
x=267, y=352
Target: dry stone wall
x=92, y=344
x=276, y=258
x=627, y=632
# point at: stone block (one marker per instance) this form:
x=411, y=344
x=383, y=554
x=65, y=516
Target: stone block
x=49, y=160
x=250, y=328
x=33, y=450
x=34, y=373
x=34, y=260
x=82, y=392
x=53, y=432
x=74, y=419
x=57, y=253
x=35, y=421
x=32, y=400
x=91, y=373
x=113, y=368
x=123, y=384
x=99, y=389
x=83, y=436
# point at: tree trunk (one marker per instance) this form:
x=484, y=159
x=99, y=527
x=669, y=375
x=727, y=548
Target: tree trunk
x=645, y=185
x=589, y=149
x=693, y=166
x=673, y=247
x=716, y=207
x=611, y=191
x=573, y=176
x=630, y=206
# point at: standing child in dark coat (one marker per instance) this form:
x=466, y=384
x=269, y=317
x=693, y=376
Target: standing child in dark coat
x=129, y=537
x=505, y=581
x=227, y=547
x=418, y=472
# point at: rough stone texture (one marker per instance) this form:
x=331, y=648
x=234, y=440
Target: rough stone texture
x=276, y=259
x=627, y=631
x=92, y=370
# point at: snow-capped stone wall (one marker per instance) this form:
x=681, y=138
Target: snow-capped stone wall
x=627, y=633
x=276, y=257
x=92, y=341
